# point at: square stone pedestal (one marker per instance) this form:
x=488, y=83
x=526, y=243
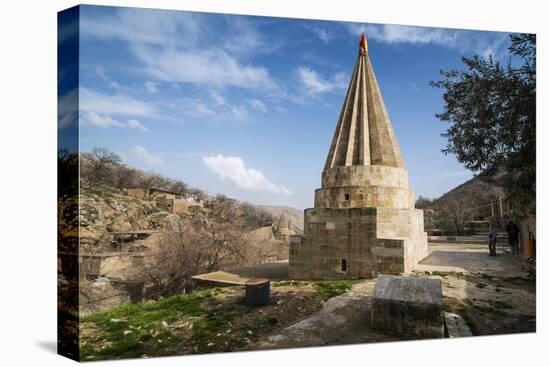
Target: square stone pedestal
x=410, y=307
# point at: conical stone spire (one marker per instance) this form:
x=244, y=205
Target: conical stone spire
x=363, y=222
x=364, y=134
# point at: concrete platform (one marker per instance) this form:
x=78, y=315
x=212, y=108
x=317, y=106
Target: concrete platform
x=470, y=259
x=275, y=271
x=409, y=307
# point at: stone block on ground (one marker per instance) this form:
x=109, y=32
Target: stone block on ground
x=455, y=326
x=409, y=307
x=257, y=292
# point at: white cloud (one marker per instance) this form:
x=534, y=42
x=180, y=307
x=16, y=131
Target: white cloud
x=218, y=98
x=98, y=109
x=234, y=170
x=414, y=35
x=194, y=106
x=100, y=71
x=146, y=26
x=280, y=109
x=341, y=80
x=144, y=156
x=118, y=104
x=135, y=124
x=99, y=120
x=313, y=82
x=151, y=87
x=174, y=47
x=238, y=111
x=316, y=84
x=242, y=37
x=257, y=104
x=209, y=67
x=323, y=34
x=106, y=121
x=484, y=43
x=215, y=107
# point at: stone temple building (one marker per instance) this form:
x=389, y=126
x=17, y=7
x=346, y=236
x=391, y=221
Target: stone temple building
x=364, y=221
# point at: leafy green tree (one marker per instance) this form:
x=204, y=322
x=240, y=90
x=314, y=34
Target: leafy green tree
x=492, y=116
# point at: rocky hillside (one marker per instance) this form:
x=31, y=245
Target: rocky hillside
x=479, y=191
x=104, y=210
x=469, y=201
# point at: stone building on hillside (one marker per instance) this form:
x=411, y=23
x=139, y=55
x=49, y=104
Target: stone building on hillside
x=364, y=221
x=174, y=202
x=151, y=193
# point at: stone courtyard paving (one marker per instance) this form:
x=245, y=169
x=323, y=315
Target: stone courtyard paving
x=471, y=259
x=493, y=294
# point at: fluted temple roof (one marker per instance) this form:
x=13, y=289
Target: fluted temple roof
x=364, y=134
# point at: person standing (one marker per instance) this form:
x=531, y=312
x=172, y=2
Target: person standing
x=493, y=241
x=513, y=237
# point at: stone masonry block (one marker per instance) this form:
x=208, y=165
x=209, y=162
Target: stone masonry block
x=410, y=307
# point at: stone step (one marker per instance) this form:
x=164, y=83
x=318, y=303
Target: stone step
x=455, y=326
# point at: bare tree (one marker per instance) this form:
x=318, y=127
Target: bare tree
x=99, y=166
x=178, y=186
x=152, y=180
x=203, y=242
x=127, y=177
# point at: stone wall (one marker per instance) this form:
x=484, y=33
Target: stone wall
x=365, y=176
x=345, y=244
x=138, y=192
x=364, y=197
x=364, y=187
x=369, y=241
x=149, y=194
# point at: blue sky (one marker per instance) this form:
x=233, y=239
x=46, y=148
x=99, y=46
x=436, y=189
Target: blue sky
x=246, y=106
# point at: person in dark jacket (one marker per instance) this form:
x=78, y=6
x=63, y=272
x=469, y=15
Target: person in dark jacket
x=513, y=236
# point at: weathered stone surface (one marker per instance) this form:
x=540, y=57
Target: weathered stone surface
x=369, y=175
x=410, y=307
x=455, y=326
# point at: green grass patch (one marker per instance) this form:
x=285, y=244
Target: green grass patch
x=463, y=308
x=215, y=332
x=134, y=330
x=195, y=210
x=442, y=274
x=289, y=283
x=332, y=288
